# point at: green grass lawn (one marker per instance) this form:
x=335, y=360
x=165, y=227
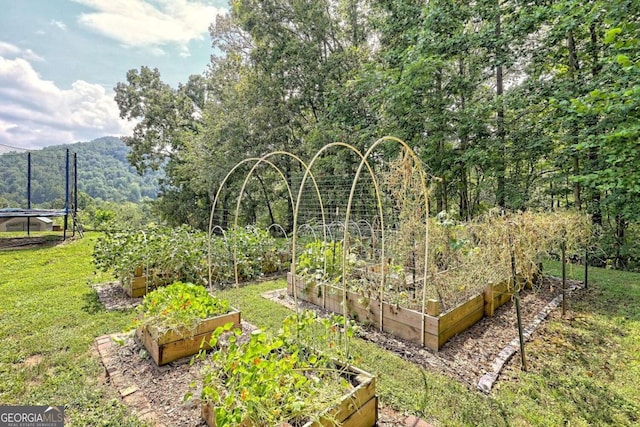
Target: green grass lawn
x=583, y=370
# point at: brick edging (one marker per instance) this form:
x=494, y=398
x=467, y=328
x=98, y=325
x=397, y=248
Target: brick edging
x=129, y=393
x=487, y=380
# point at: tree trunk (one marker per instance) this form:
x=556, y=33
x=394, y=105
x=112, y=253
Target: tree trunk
x=593, y=155
x=574, y=67
x=266, y=198
x=621, y=228
x=500, y=130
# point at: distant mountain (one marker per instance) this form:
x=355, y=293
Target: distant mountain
x=103, y=172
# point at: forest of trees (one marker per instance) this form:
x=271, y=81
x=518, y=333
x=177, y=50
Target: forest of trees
x=103, y=174
x=516, y=104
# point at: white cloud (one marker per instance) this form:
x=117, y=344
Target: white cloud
x=11, y=50
x=58, y=24
x=143, y=23
x=30, y=55
x=184, y=52
x=35, y=112
x=8, y=49
x=158, y=51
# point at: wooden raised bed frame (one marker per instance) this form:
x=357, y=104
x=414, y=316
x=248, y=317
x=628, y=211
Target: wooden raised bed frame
x=357, y=408
x=403, y=322
x=136, y=286
x=175, y=345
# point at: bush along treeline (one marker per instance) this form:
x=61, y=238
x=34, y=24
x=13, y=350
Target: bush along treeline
x=169, y=254
x=535, y=107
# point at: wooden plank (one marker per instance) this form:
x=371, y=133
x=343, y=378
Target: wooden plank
x=150, y=344
x=496, y=295
x=365, y=416
x=402, y=322
x=136, y=287
x=431, y=341
x=134, y=292
x=172, y=346
x=205, y=325
x=182, y=348
x=461, y=326
x=139, y=282
x=461, y=312
x=351, y=402
x=433, y=307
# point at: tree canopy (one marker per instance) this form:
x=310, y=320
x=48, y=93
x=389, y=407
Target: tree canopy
x=522, y=105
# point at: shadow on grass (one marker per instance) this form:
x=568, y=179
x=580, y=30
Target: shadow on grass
x=92, y=304
x=33, y=242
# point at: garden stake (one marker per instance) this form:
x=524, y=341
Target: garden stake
x=516, y=294
x=586, y=268
x=564, y=278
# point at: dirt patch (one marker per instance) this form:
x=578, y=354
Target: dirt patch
x=29, y=242
x=113, y=297
x=33, y=360
x=467, y=356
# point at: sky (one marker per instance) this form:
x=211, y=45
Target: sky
x=61, y=59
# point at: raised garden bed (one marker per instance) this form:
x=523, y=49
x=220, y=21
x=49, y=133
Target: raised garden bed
x=357, y=408
x=143, y=281
x=296, y=376
x=178, y=320
x=174, y=345
x=403, y=322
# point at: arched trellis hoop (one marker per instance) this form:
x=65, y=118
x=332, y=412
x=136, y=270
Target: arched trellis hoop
x=278, y=226
x=363, y=161
x=425, y=194
x=296, y=202
x=258, y=161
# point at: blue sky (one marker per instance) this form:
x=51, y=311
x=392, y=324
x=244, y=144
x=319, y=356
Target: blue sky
x=61, y=59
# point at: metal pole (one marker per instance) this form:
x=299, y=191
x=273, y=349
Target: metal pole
x=75, y=192
x=586, y=268
x=28, y=192
x=564, y=278
x=66, y=196
x=516, y=294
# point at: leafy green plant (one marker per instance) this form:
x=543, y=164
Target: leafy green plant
x=272, y=379
x=177, y=307
x=180, y=254
x=322, y=261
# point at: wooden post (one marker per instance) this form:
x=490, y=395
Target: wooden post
x=433, y=307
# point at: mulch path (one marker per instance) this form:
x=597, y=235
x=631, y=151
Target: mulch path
x=157, y=392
